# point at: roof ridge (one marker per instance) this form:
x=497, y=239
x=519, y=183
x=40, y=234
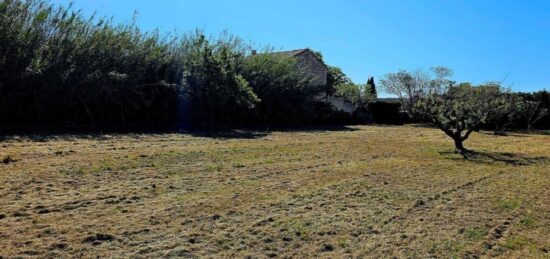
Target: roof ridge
x=293, y=52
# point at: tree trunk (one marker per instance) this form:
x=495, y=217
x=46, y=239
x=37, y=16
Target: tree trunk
x=460, y=147
x=500, y=130
x=458, y=139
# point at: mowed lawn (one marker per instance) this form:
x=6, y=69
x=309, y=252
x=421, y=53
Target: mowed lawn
x=358, y=191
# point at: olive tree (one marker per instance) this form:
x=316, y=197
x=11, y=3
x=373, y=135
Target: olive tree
x=460, y=110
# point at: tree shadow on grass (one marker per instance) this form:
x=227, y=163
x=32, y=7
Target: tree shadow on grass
x=532, y=132
x=49, y=133
x=49, y=136
x=423, y=126
x=215, y=133
x=259, y=132
x=483, y=157
x=226, y=134
x=505, y=134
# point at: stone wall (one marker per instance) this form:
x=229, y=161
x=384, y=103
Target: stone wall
x=312, y=67
x=337, y=102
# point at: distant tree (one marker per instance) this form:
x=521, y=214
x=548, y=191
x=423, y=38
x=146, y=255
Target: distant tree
x=356, y=94
x=460, y=110
x=409, y=87
x=441, y=82
x=372, y=86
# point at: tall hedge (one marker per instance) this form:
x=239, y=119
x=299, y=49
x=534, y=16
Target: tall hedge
x=59, y=67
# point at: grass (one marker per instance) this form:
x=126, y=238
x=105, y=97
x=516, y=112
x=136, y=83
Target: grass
x=508, y=205
x=476, y=233
x=368, y=191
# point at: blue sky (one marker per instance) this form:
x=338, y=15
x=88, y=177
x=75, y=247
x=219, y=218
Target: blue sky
x=482, y=41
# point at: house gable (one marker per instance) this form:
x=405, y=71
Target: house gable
x=311, y=65
x=315, y=68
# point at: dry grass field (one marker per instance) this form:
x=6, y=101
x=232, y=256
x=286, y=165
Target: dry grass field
x=365, y=191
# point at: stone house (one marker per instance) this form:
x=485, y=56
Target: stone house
x=318, y=71
x=310, y=64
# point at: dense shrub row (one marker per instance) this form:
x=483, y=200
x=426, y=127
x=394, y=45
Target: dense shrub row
x=520, y=111
x=58, y=67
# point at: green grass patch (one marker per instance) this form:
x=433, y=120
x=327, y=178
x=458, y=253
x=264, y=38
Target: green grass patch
x=476, y=233
x=527, y=221
x=213, y=167
x=508, y=205
x=515, y=242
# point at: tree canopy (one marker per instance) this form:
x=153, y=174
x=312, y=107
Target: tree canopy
x=409, y=87
x=460, y=110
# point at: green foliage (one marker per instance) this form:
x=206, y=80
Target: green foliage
x=212, y=81
x=57, y=66
x=350, y=92
x=534, y=107
x=520, y=111
x=284, y=91
x=335, y=77
x=505, y=112
x=461, y=109
x=356, y=94
x=339, y=84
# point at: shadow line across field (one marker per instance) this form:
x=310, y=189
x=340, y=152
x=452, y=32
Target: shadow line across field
x=253, y=133
x=484, y=157
x=218, y=133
